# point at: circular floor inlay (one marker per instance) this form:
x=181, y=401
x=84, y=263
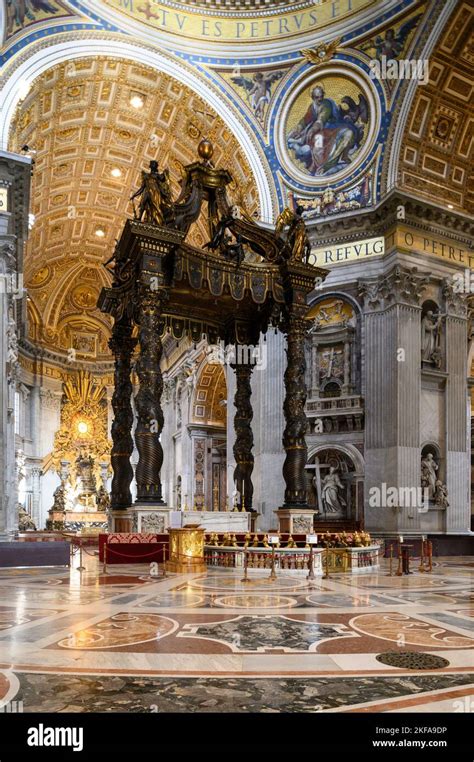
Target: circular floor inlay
x=412, y=660
x=220, y=582
x=255, y=601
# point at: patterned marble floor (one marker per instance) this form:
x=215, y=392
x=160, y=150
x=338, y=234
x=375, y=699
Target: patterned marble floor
x=127, y=642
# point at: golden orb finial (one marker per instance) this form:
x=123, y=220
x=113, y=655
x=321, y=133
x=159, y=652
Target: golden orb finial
x=205, y=149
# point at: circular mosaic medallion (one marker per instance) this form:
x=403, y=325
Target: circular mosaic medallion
x=328, y=125
x=412, y=660
x=85, y=296
x=40, y=277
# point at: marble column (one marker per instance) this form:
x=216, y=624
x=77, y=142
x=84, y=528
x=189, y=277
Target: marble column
x=186, y=455
x=347, y=368
x=268, y=393
x=15, y=173
x=314, y=368
x=457, y=413
x=36, y=472
x=231, y=385
x=199, y=466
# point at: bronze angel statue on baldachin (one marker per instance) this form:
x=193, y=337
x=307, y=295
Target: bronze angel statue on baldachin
x=258, y=90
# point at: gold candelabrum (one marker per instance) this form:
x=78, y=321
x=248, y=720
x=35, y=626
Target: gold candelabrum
x=215, y=497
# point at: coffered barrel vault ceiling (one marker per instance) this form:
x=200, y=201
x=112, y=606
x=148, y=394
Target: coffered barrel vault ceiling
x=438, y=145
x=91, y=144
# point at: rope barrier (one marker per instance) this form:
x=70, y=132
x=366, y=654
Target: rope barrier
x=107, y=547
x=93, y=555
x=146, y=555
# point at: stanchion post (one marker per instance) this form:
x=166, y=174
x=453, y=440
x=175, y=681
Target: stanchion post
x=104, y=568
x=310, y=575
x=390, y=573
x=80, y=567
x=399, y=570
x=326, y=564
x=245, y=578
x=421, y=567
x=273, y=539
x=311, y=540
x=164, y=561
x=430, y=556
x=273, y=575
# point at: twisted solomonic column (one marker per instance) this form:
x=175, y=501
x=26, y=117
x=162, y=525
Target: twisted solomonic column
x=294, y=440
x=122, y=345
x=148, y=398
x=243, y=435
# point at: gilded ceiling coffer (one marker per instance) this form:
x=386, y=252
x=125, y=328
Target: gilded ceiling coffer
x=160, y=283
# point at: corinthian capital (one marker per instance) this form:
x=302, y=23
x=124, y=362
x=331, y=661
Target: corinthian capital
x=401, y=285
x=456, y=302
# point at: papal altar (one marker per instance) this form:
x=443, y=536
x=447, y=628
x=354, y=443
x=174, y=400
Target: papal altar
x=156, y=518
x=215, y=521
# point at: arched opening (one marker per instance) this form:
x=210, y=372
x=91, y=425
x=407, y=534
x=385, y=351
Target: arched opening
x=208, y=430
x=335, y=483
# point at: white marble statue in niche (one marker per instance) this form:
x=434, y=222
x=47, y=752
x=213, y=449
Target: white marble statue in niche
x=429, y=468
x=332, y=489
x=431, y=338
x=441, y=495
